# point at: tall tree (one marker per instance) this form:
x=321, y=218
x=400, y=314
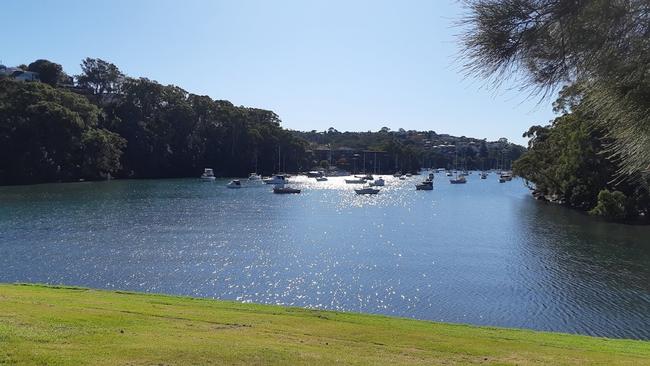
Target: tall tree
x=100, y=76
x=602, y=44
x=49, y=72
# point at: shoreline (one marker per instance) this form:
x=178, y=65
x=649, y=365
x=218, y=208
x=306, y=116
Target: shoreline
x=75, y=325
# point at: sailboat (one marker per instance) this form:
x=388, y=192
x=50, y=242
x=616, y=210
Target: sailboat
x=459, y=179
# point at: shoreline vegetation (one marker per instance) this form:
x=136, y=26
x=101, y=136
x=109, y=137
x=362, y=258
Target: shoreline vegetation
x=58, y=325
x=103, y=124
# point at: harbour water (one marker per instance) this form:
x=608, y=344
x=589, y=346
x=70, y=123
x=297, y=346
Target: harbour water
x=483, y=253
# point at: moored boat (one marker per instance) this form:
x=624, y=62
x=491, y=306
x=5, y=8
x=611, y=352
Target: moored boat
x=321, y=179
x=379, y=182
x=208, y=174
x=254, y=177
x=366, y=190
x=276, y=179
x=427, y=185
x=234, y=184
x=355, y=181
x=281, y=189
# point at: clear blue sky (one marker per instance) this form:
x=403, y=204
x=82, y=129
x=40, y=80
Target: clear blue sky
x=353, y=65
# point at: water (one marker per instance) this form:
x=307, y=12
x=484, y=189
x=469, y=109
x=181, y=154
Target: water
x=481, y=253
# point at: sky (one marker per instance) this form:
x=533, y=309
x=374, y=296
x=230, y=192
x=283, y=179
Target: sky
x=352, y=65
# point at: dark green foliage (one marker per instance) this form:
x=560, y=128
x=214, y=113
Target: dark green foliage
x=567, y=162
x=49, y=72
x=600, y=44
x=611, y=205
x=44, y=132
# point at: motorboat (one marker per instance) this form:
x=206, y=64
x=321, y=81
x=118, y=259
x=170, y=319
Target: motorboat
x=234, y=184
x=379, y=182
x=458, y=180
x=449, y=174
x=321, y=179
x=208, y=174
x=409, y=175
x=502, y=180
x=254, y=177
x=427, y=185
x=483, y=175
x=355, y=181
x=281, y=189
x=397, y=174
x=365, y=177
x=276, y=179
x=402, y=177
x=314, y=174
x=366, y=190
x=431, y=177
x=507, y=176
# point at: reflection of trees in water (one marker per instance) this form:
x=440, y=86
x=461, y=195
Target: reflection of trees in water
x=598, y=273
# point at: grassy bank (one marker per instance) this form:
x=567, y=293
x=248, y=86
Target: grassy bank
x=74, y=326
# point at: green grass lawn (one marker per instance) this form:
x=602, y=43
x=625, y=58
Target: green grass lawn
x=74, y=326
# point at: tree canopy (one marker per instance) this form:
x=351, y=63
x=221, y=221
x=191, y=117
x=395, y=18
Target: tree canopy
x=602, y=45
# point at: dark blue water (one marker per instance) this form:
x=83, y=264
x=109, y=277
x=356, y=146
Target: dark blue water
x=482, y=253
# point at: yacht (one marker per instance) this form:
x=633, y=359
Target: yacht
x=276, y=179
x=234, y=184
x=366, y=190
x=280, y=189
x=379, y=182
x=254, y=177
x=208, y=174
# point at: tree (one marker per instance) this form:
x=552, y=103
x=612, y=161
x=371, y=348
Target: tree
x=100, y=76
x=49, y=72
x=602, y=45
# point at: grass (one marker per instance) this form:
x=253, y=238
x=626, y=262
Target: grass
x=44, y=325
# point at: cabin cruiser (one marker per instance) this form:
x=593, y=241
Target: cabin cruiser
x=208, y=174
x=355, y=181
x=427, y=185
x=280, y=188
x=321, y=179
x=366, y=190
x=276, y=179
x=254, y=177
x=458, y=180
x=234, y=184
x=379, y=182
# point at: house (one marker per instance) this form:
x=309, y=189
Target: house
x=18, y=74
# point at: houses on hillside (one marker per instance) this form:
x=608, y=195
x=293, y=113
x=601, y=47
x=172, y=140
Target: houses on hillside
x=18, y=74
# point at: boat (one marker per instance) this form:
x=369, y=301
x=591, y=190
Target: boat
x=502, y=180
x=276, y=179
x=254, y=177
x=281, y=189
x=402, y=177
x=208, y=174
x=409, y=175
x=397, y=174
x=366, y=190
x=365, y=177
x=321, y=179
x=507, y=176
x=234, y=184
x=427, y=185
x=379, y=182
x=449, y=174
x=314, y=174
x=458, y=180
x=483, y=175
x=355, y=181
